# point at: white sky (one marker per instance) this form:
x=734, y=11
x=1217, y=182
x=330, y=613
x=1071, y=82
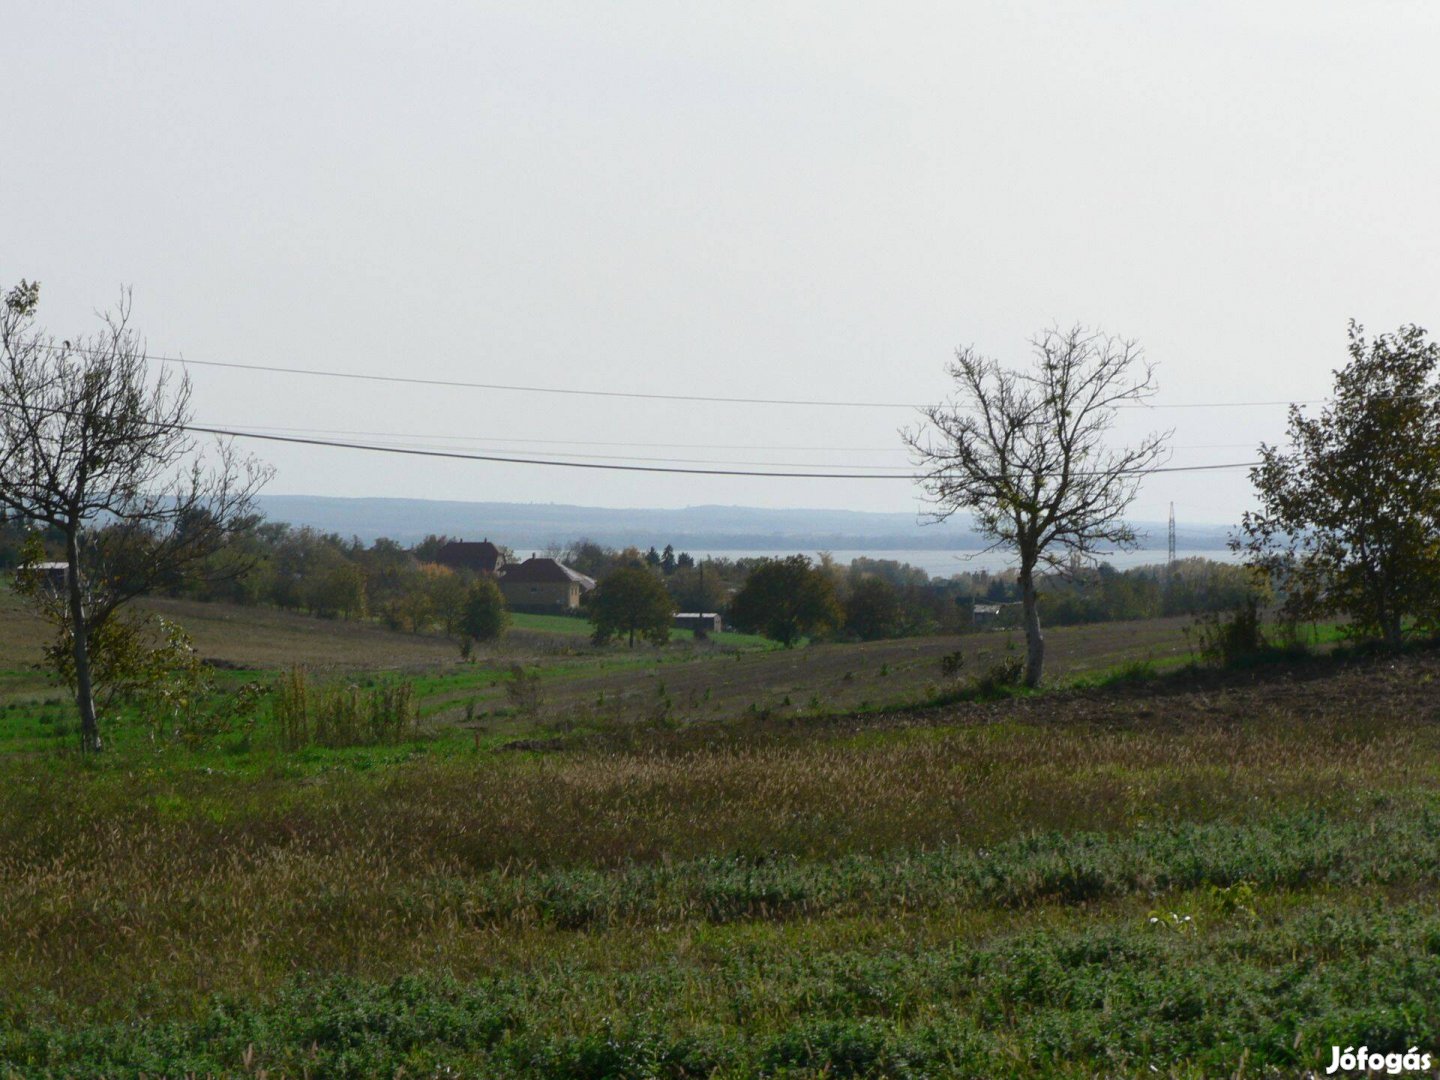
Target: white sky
x=797, y=200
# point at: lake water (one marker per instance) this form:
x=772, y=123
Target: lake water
x=944, y=563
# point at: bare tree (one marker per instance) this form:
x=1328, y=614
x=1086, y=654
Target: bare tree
x=1025, y=451
x=93, y=445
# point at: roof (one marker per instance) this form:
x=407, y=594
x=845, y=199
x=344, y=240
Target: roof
x=538, y=570
x=470, y=555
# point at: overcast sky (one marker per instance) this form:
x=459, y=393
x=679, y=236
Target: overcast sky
x=776, y=200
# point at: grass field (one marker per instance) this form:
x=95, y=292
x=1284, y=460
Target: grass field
x=1186, y=874
x=574, y=626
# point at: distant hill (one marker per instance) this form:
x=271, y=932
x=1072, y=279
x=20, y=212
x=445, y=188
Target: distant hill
x=533, y=526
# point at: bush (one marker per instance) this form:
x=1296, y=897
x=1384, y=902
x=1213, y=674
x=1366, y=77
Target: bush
x=999, y=678
x=1228, y=638
x=485, y=616
x=524, y=691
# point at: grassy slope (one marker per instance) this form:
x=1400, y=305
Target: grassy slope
x=584, y=687
x=957, y=891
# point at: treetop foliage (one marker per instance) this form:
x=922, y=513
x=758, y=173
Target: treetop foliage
x=628, y=601
x=1349, y=521
x=786, y=599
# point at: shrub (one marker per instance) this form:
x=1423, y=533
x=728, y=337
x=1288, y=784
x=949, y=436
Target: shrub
x=1238, y=637
x=999, y=678
x=484, y=617
x=524, y=691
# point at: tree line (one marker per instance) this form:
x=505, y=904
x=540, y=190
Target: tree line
x=300, y=569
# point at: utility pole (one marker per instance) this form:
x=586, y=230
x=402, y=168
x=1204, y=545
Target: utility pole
x=1172, y=535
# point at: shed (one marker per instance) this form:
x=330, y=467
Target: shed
x=708, y=622
x=54, y=575
x=984, y=614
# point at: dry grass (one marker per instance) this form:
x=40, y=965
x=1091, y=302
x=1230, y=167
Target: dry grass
x=187, y=877
x=704, y=685
x=584, y=686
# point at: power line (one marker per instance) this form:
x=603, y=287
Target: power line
x=759, y=448
x=602, y=442
x=572, y=464
x=421, y=445
x=425, y=441
x=412, y=380
x=646, y=396
x=238, y=433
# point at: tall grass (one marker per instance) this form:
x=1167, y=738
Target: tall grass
x=341, y=714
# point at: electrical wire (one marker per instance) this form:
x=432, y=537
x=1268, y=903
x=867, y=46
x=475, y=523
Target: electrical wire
x=573, y=464
x=412, y=380
x=778, y=448
x=230, y=432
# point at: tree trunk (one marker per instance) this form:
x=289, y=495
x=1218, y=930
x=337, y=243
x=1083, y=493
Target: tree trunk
x=80, y=645
x=1390, y=627
x=1034, y=640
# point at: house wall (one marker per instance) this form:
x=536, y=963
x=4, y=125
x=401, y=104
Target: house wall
x=547, y=595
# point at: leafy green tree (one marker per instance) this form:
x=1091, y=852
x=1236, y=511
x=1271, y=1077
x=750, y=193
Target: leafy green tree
x=385, y=564
x=485, y=616
x=411, y=609
x=592, y=559
x=631, y=600
x=895, y=572
x=697, y=588
x=333, y=585
x=1349, y=521
x=786, y=599
x=426, y=550
x=1196, y=584
x=872, y=610
x=447, y=591
x=667, y=559
x=239, y=573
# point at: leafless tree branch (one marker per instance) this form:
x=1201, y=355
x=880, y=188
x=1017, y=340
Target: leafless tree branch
x=96, y=446
x=1026, y=452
